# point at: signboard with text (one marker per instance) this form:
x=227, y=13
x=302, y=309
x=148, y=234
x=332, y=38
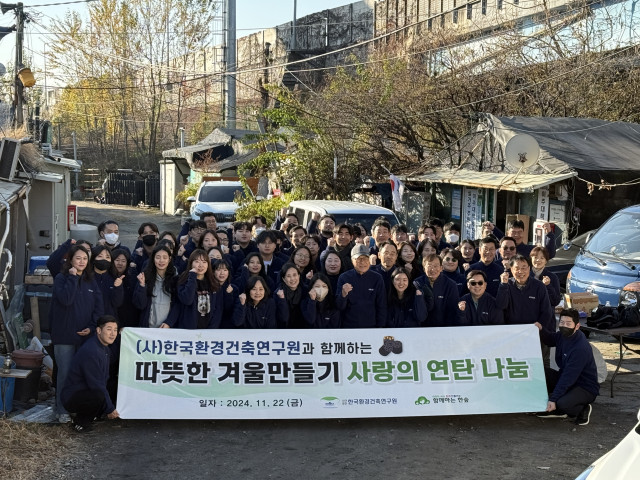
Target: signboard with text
x=239, y=374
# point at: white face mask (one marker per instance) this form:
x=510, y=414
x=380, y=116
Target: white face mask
x=452, y=238
x=321, y=292
x=111, y=238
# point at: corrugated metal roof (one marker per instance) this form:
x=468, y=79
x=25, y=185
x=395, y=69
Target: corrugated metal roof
x=501, y=181
x=10, y=191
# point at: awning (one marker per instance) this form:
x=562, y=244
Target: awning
x=500, y=181
x=10, y=191
x=44, y=176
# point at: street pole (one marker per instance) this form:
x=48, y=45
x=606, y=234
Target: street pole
x=230, y=77
x=18, y=99
x=75, y=155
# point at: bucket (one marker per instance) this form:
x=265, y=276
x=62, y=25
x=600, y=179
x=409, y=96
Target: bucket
x=27, y=388
x=27, y=358
x=37, y=261
x=82, y=231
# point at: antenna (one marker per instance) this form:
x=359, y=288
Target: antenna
x=522, y=151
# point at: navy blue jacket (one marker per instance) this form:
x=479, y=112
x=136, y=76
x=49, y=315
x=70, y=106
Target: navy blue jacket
x=553, y=289
x=89, y=371
x=493, y=272
x=412, y=312
x=56, y=259
x=185, y=313
x=76, y=305
x=549, y=243
x=128, y=313
x=366, y=305
x=318, y=315
x=227, y=302
x=240, y=255
x=289, y=315
x=487, y=312
x=242, y=277
x=527, y=305
x=261, y=316
x=574, y=356
x=459, y=279
x=140, y=260
x=112, y=296
x=445, y=312
x=273, y=270
x=385, y=274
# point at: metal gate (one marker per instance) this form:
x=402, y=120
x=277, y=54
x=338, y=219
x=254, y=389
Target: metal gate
x=132, y=188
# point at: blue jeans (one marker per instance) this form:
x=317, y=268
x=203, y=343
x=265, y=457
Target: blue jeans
x=64, y=356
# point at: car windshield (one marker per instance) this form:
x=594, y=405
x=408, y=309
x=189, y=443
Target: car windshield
x=219, y=193
x=620, y=237
x=366, y=220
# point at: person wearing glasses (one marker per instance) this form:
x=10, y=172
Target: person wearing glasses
x=524, y=299
x=477, y=306
x=488, y=264
x=507, y=251
x=451, y=260
x=515, y=230
x=574, y=387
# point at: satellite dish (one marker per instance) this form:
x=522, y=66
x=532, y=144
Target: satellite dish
x=522, y=151
x=3, y=69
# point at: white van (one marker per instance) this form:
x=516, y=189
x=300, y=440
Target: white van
x=344, y=212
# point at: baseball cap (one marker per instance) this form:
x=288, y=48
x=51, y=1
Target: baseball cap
x=359, y=250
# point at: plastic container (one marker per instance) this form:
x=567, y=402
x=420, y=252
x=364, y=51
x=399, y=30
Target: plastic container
x=82, y=231
x=7, y=388
x=37, y=261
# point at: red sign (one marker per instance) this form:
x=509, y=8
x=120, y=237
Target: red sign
x=276, y=192
x=72, y=216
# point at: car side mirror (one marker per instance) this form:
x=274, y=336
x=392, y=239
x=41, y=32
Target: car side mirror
x=191, y=199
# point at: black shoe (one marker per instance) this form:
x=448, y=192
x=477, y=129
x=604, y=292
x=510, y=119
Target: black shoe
x=553, y=414
x=585, y=415
x=81, y=428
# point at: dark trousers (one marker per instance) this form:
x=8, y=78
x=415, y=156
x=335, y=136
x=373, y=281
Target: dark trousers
x=571, y=402
x=87, y=405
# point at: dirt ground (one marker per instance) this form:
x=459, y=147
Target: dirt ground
x=515, y=446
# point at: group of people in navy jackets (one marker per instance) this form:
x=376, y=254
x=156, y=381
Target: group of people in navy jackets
x=324, y=275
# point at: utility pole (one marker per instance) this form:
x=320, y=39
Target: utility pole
x=293, y=45
x=18, y=87
x=230, y=60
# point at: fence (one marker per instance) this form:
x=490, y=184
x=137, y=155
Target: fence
x=132, y=188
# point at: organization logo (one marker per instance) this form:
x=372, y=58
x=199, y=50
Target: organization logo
x=330, y=402
x=422, y=401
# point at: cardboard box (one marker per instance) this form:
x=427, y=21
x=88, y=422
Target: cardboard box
x=581, y=301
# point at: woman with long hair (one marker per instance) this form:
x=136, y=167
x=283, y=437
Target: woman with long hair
x=196, y=294
x=154, y=293
x=289, y=297
x=408, y=258
x=128, y=313
x=319, y=306
x=227, y=293
x=76, y=306
x=405, y=305
x=108, y=279
x=301, y=258
x=253, y=266
x=255, y=308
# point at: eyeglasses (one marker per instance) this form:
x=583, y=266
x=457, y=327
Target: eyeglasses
x=508, y=248
x=450, y=259
x=473, y=283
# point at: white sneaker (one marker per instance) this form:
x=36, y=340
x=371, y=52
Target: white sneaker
x=64, y=418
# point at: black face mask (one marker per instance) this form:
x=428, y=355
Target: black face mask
x=149, y=240
x=566, y=331
x=102, y=264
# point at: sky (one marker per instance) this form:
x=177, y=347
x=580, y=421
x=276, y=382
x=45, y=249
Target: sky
x=252, y=15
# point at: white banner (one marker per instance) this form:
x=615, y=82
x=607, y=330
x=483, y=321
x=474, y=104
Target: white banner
x=237, y=374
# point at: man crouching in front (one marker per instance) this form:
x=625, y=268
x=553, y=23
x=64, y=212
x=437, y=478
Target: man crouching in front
x=84, y=394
